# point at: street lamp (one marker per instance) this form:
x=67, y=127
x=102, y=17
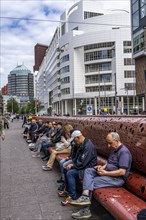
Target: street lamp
x=115, y=94
x=99, y=93
x=126, y=89
x=12, y=105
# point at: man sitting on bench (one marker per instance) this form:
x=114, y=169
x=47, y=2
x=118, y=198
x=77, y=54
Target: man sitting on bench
x=112, y=174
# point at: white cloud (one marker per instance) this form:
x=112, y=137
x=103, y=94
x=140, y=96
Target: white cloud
x=18, y=37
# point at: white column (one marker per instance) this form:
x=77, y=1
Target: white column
x=62, y=108
x=74, y=107
x=122, y=104
x=66, y=110
x=95, y=105
x=143, y=104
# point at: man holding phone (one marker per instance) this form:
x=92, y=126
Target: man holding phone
x=113, y=174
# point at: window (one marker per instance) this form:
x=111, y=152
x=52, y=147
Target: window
x=135, y=20
x=65, y=91
x=143, y=11
x=129, y=86
x=97, y=67
x=65, y=69
x=126, y=43
x=128, y=61
x=96, y=88
x=135, y=7
x=127, y=50
x=63, y=29
x=100, y=45
x=129, y=74
x=98, y=78
x=65, y=80
x=103, y=54
x=76, y=29
x=88, y=14
x=138, y=43
x=142, y=3
x=64, y=58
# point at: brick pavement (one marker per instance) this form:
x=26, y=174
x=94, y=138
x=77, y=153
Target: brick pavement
x=27, y=192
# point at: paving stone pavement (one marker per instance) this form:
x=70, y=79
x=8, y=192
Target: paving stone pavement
x=28, y=192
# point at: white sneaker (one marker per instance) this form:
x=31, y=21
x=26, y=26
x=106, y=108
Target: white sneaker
x=36, y=155
x=31, y=145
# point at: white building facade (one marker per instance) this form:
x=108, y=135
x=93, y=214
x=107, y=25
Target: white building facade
x=88, y=67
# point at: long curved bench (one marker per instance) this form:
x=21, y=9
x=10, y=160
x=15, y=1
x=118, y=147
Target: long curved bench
x=122, y=202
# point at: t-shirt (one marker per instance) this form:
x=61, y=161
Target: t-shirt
x=120, y=158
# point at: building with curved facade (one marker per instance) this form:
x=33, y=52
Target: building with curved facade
x=20, y=84
x=88, y=68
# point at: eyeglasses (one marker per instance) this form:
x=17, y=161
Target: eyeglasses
x=53, y=124
x=110, y=143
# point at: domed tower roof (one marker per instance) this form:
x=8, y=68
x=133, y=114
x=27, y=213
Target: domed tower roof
x=20, y=70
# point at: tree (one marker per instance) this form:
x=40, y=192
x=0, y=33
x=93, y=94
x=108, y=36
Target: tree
x=12, y=106
x=30, y=107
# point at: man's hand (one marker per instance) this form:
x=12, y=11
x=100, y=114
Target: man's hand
x=102, y=172
x=67, y=158
x=99, y=167
x=69, y=166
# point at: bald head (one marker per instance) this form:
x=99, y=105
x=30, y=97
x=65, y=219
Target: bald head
x=113, y=140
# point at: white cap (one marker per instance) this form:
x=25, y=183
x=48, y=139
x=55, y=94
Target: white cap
x=76, y=133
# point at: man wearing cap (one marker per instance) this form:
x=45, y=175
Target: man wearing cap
x=113, y=174
x=86, y=157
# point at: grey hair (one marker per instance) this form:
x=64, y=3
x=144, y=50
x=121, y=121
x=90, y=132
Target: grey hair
x=115, y=136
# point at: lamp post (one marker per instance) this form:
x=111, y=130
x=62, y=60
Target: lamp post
x=127, y=100
x=115, y=94
x=99, y=93
x=12, y=106
x=126, y=90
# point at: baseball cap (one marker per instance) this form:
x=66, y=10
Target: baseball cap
x=76, y=133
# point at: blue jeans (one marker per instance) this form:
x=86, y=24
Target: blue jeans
x=71, y=176
x=45, y=147
x=93, y=181
x=63, y=163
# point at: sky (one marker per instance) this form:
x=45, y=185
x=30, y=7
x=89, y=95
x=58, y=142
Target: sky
x=38, y=20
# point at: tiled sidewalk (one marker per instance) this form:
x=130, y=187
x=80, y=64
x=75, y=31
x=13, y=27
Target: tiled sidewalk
x=27, y=192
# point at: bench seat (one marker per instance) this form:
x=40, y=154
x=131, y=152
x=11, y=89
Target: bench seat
x=122, y=202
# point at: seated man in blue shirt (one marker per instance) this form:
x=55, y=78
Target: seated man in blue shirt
x=86, y=156
x=114, y=173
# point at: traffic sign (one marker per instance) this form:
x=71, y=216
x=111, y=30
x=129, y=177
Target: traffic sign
x=89, y=110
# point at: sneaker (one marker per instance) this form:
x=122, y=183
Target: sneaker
x=45, y=158
x=83, y=213
x=83, y=200
x=32, y=148
x=63, y=194
x=67, y=201
x=31, y=145
x=29, y=141
x=61, y=188
x=60, y=180
x=45, y=168
x=36, y=155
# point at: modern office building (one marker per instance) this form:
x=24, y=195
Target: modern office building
x=138, y=12
x=20, y=84
x=88, y=67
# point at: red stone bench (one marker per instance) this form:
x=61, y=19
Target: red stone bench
x=122, y=202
